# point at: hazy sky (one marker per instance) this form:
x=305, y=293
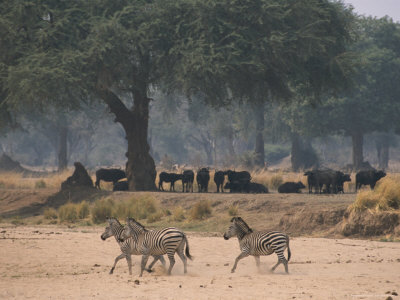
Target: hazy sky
x=378, y=8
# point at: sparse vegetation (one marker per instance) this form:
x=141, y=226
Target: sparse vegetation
x=201, y=210
x=68, y=212
x=275, y=181
x=178, y=214
x=233, y=210
x=101, y=209
x=40, y=184
x=83, y=210
x=385, y=196
x=50, y=213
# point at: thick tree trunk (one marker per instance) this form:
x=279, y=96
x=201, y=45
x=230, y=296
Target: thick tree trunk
x=303, y=154
x=259, y=152
x=382, y=147
x=296, y=153
x=62, y=155
x=358, y=157
x=140, y=167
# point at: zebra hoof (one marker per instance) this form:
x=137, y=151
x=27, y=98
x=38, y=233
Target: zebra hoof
x=232, y=271
x=111, y=271
x=149, y=270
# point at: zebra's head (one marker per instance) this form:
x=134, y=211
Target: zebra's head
x=131, y=229
x=237, y=228
x=109, y=231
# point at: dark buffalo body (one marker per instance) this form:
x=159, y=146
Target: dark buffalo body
x=168, y=177
x=368, y=178
x=242, y=176
x=257, y=188
x=121, y=186
x=291, y=187
x=342, y=180
x=246, y=187
x=187, y=180
x=109, y=175
x=219, y=178
x=203, y=177
x=333, y=180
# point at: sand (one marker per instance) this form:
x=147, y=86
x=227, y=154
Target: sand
x=44, y=262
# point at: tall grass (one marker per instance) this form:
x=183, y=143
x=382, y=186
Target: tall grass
x=138, y=207
x=385, y=196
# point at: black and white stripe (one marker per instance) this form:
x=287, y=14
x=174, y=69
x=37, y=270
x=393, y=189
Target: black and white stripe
x=128, y=247
x=158, y=242
x=258, y=243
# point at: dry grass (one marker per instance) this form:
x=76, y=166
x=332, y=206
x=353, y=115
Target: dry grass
x=385, y=196
x=14, y=180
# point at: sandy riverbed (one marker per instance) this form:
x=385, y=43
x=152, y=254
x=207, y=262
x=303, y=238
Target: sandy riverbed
x=73, y=263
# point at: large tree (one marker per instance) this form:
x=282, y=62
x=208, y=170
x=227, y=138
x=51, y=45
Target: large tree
x=73, y=51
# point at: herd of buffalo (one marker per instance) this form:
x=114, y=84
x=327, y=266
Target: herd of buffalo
x=322, y=181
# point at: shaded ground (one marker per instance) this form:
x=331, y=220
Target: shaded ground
x=57, y=262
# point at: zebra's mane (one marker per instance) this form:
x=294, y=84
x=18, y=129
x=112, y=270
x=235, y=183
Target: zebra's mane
x=137, y=224
x=242, y=224
x=113, y=219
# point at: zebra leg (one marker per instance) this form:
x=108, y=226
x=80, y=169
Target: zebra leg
x=121, y=256
x=283, y=260
x=182, y=256
x=241, y=255
x=129, y=260
x=145, y=258
x=171, y=262
x=156, y=258
x=257, y=258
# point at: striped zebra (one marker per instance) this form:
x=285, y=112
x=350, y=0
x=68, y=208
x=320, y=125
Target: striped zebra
x=158, y=242
x=128, y=247
x=258, y=243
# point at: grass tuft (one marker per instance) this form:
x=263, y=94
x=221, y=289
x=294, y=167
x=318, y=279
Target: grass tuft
x=385, y=196
x=201, y=210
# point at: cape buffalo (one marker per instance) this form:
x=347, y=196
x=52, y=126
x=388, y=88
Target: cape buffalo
x=291, y=187
x=109, y=175
x=368, y=178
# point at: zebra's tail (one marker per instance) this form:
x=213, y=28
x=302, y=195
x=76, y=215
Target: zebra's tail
x=288, y=248
x=187, y=248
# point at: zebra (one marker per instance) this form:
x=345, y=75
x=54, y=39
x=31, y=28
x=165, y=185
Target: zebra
x=258, y=243
x=157, y=242
x=128, y=247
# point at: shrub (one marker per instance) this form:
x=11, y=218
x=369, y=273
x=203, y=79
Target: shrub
x=50, y=213
x=201, y=210
x=178, y=214
x=67, y=212
x=40, y=184
x=233, y=210
x=101, y=209
x=154, y=217
x=275, y=181
x=83, y=210
x=137, y=207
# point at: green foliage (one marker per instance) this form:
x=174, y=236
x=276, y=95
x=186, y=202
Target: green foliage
x=138, y=207
x=201, y=210
x=40, y=184
x=50, y=213
x=102, y=209
x=274, y=153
